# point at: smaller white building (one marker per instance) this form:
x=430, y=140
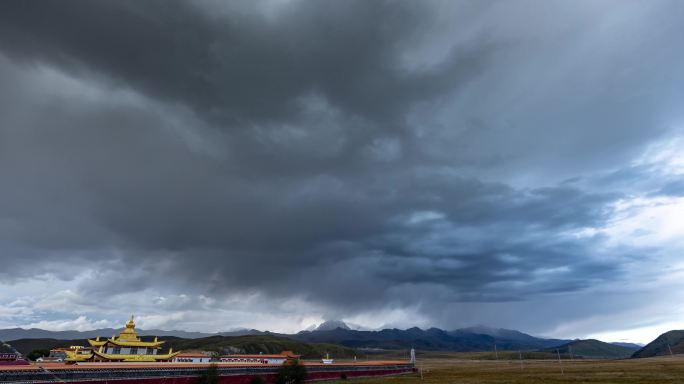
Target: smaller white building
x=254, y=359
x=327, y=359
x=260, y=358
x=191, y=358
x=48, y=359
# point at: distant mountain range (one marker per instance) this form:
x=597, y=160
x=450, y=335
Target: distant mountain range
x=339, y=333
x=471, y=339
x=465, y=340
x=36, y=333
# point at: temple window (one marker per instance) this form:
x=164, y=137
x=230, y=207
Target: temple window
x=134, y=351
x=116, y=350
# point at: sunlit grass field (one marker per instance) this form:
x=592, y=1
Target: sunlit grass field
x=458, y=368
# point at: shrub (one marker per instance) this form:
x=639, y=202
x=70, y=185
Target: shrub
x=35, y=354
x=210, y=376
x=292, y=373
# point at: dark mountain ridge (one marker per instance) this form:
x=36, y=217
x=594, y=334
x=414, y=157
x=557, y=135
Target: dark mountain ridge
x=592, y=349
x=509, y=335
x=462, y=340
x=331, y=325
x=671, y=342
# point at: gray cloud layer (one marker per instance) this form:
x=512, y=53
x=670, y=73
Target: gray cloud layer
x=356, y=155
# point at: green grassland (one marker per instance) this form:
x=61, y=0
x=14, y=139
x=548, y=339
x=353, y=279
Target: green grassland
x=464, y=369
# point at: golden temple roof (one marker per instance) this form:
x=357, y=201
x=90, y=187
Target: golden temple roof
x=74, y=357
x=128, y=337
x=131, y=358
x=129, y=333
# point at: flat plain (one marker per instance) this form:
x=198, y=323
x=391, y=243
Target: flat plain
x=460, y=368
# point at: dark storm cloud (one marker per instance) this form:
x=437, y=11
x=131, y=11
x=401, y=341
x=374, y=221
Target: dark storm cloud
x=243, y=66
x=356, y=154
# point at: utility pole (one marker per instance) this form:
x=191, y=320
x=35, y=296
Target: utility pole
x=560, y=363
x=496, y=353
x=570, y=350
x=670, y=348
x=520, y=356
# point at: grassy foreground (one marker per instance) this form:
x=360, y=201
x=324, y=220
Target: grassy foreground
x=464, y=370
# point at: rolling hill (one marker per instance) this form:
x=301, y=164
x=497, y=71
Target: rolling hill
x=263, y=344
x=431, y=339
x=514, y=339
x=593, y=349
x=24, y=346
x=662, y=344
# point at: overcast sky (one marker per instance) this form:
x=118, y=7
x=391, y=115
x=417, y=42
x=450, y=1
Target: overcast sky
x=209, y=165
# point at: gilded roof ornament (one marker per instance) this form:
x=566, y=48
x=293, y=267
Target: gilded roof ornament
x=127, y=338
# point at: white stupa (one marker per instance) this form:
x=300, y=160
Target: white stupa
x=327, y=359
